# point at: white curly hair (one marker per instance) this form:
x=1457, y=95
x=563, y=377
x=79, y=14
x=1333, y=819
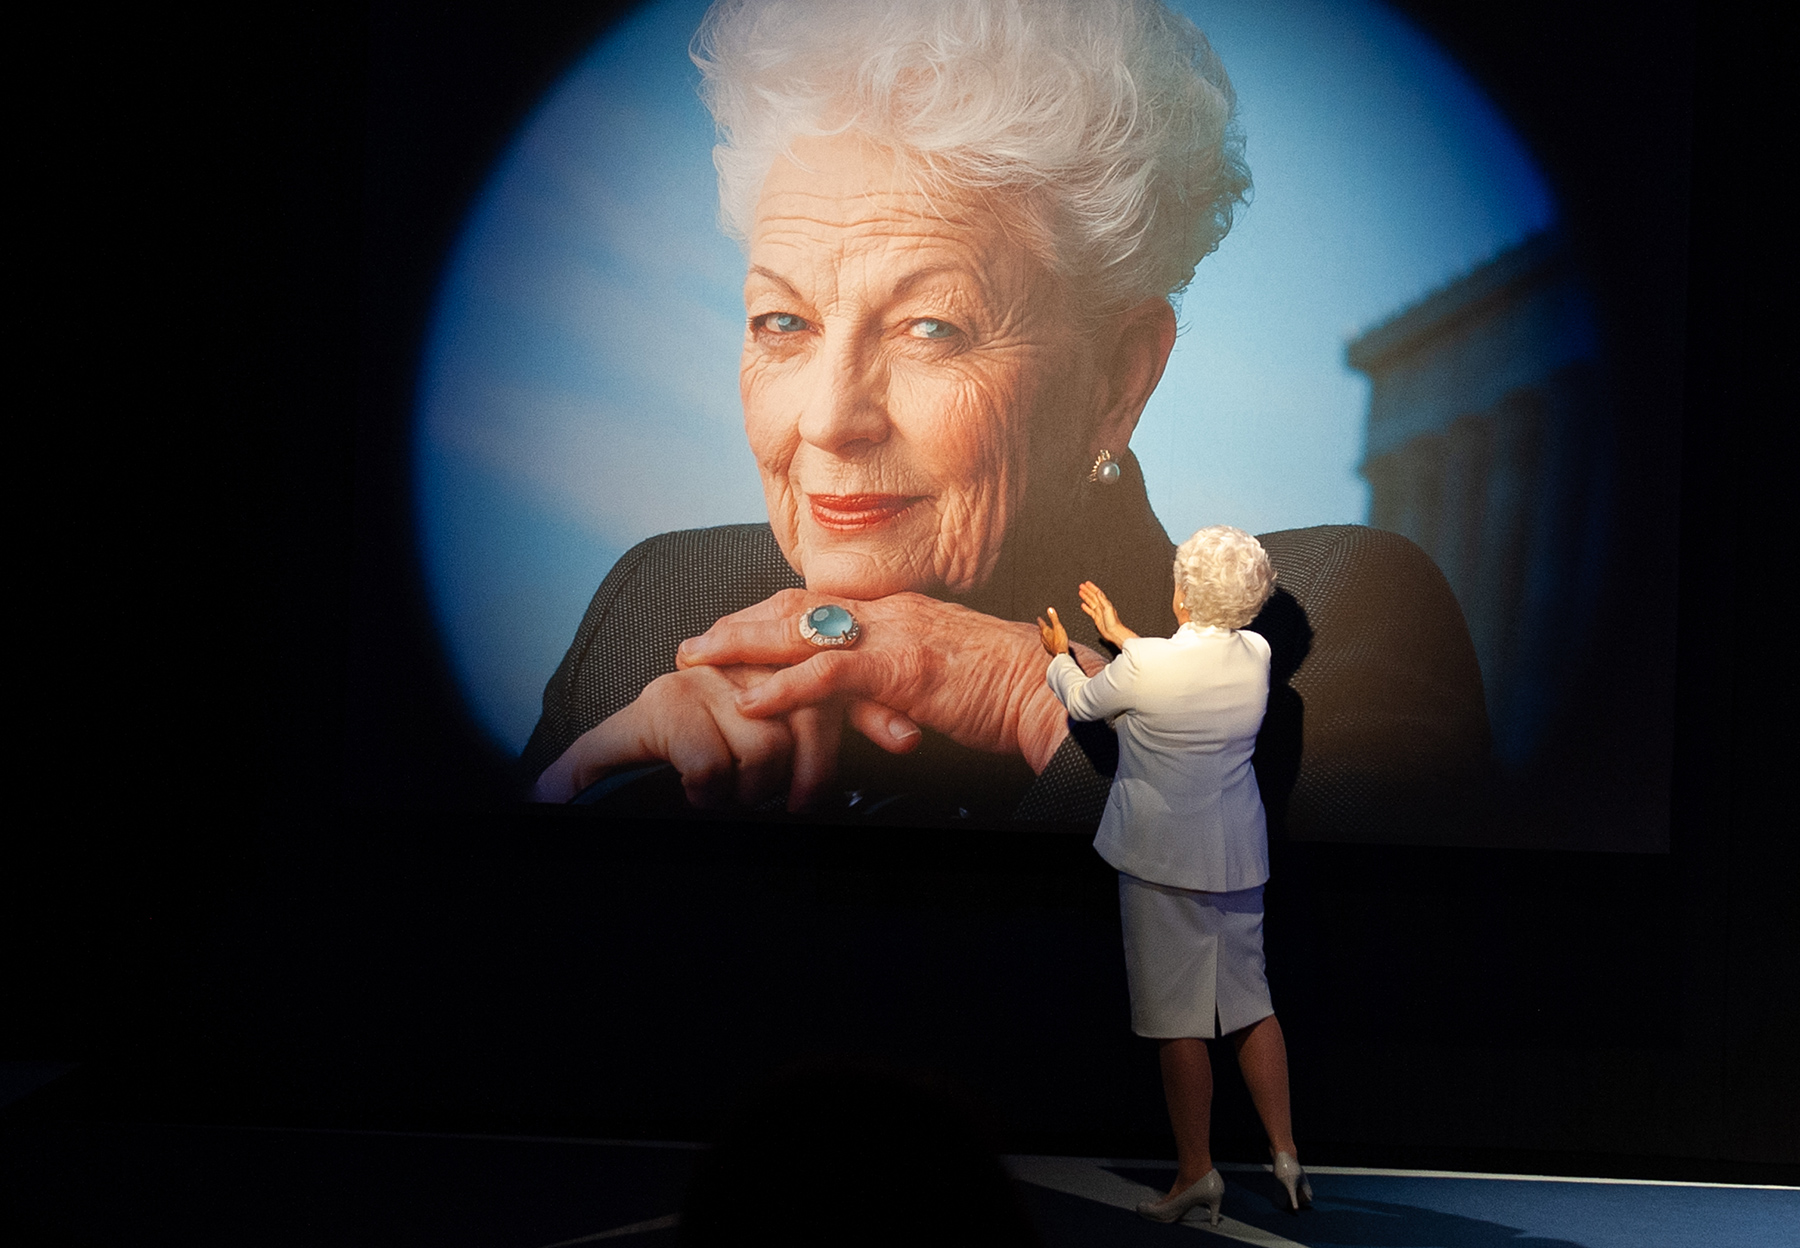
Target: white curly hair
x=1107, y=128
x=1224, y=575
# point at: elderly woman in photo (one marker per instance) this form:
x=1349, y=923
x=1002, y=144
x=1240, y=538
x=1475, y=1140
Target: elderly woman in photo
x=965, y=222
x=1185, y=828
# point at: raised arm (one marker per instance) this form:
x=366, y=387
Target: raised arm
x=1099, y=608
x=1103, y=695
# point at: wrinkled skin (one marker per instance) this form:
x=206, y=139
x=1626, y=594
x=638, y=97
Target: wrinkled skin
x=900, y=347
x=911, y=374
x=978, y=680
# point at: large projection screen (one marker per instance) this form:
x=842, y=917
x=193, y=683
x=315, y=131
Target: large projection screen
x=1402, y=331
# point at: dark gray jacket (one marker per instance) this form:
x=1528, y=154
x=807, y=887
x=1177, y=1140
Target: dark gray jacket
x=1376, y=722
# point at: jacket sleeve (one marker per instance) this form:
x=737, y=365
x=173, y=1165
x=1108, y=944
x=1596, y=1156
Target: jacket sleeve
x=562, y=717
x=1073, y=788
x=1107, y=693
x=661, y=592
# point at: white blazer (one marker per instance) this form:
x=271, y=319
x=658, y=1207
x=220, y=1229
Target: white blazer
x=1184, y=808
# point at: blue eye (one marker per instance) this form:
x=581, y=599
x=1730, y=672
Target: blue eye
x=931, y=328
x=784, y=322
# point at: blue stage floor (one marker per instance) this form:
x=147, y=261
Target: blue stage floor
x=1418, y=1209
x=132, y=1184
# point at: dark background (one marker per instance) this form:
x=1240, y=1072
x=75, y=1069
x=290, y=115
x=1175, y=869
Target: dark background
x=282, y=880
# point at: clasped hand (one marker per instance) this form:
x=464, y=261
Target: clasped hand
x=689, y=719
x=753, y=707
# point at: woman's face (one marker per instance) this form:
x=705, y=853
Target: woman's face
x=908, y=369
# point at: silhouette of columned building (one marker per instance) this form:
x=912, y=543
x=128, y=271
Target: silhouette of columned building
x=1488, y=445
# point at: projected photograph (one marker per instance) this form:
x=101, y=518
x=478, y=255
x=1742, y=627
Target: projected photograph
x=786, y=373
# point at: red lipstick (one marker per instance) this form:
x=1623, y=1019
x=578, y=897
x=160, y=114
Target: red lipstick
x=851, y=513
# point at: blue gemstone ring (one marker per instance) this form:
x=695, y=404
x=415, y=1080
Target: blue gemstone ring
x=829, y=626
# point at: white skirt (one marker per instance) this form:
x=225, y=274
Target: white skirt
x=1194, y=961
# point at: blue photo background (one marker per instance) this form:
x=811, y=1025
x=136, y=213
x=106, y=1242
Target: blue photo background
x=579, y=389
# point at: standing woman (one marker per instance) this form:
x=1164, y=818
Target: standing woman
x=1184, y=826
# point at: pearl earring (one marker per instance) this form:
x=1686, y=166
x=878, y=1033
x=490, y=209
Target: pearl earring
x=1106, y=470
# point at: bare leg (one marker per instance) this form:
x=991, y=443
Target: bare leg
x=1262, y=1056
x=1187, y=1086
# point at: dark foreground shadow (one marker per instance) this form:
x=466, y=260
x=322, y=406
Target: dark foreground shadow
x=841, y=1151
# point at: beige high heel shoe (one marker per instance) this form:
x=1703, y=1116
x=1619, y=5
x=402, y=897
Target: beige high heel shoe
x=1289, y=1174
x=1208, y=1191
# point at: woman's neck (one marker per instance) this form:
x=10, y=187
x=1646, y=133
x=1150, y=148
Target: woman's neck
x=1105, y=534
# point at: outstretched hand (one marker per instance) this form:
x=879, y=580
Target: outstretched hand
x=1100, y=610
x=1054, y=636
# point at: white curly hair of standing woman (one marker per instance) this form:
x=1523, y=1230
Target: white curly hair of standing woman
x=1105, y=133
x=1224, y=575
